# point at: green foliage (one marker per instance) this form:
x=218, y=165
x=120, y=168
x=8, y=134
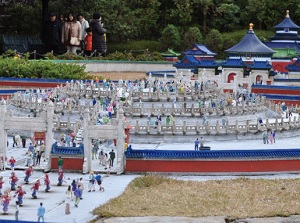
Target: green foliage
x=214, y=40
x=155, y=56
x=70, y=56
x=21, y=68
x=145, y=56
x=137, y=45
x=193, y=35
x=170, y=38
x=9, y=53
x=50, y=56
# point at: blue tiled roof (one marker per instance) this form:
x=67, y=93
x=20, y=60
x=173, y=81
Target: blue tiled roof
x=70, y=151
x=207, y=63
x=280, y=45
x=261, y=65
x=287, y=23
x=214, y=154
x=187, y=61
x=294, y=66
x=250, y=44
x=199, y=49
x=233, y=63
x=285, y=36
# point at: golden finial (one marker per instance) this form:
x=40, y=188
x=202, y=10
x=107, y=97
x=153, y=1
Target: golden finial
x=287, y=14
x=251, y=26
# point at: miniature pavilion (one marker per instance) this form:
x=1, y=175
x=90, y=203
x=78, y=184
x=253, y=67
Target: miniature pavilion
x=286, y=44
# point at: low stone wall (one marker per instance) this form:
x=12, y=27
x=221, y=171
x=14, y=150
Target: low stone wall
x=98, y=66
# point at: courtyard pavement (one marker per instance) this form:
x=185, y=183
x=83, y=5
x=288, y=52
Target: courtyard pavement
x=115, y=185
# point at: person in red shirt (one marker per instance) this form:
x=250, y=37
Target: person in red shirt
x=12, y=163
x=47, y=182
x=35, y=188
x=13, y=181
x=1, y=185
x=20, y=192
x=28, y=173
x=88, y=42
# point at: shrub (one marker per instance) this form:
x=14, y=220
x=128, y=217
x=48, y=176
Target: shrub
x=193, y=35
x=170, y=37
x=133, y=46
x=22, y=68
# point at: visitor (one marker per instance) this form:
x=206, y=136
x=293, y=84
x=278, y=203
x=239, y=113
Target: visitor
x=69, y=198
x=201, y=142
x=88, y=41
x=98, y=31
x=60, y=163
x=41, y=212
x=197, y=144
x=77, y=194
x=51, y=34
x=71, y=34
x=112, y=157
x=84, y=26
x=17, y=211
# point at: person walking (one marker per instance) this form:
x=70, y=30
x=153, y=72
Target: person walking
x=81, y=184
x=60, y=163
x=69, y=198
x=271, y=137
x=17, y=211
x=112, y=157
x=35, y=189
x=41, y=212
x=12, y=162
x=28, y=173
x=197, y=144
x=98, y=31
x=20, y=194
x=47, y=182
x=274, y=134
x=77, y=194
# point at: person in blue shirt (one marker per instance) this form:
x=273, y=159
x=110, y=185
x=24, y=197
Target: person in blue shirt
x=197, y=144
x=41, y=213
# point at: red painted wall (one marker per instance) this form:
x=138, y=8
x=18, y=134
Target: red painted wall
x=280, y=65
x=212, y=166
x=29, y=84
x=275, y=91
x=70, y=163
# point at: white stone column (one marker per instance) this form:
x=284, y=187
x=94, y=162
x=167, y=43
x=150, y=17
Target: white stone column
x=120, y=141
x=86, y=140
x=3, y=134
x=49, y=134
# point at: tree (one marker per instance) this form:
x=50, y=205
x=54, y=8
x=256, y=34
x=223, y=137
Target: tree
x=204, y=6
x=214, y=41
x=193, y=35
x=226, y=16
x=170, y=38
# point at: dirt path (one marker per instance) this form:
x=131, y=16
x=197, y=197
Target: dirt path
x=120, y=75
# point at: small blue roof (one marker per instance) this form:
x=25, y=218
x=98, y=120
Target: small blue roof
x=207, y=63
x=199, y=49
x=261, y=65
x=250, y=44
x=233, y=63
x=294, y=66
x=287, y=23
x=188, y=61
